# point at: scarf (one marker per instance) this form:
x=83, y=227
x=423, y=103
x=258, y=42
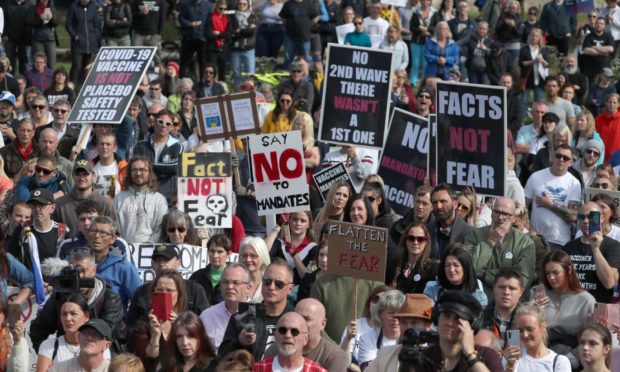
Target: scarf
x=220, y=22
x=242, y=18
x=24, y=152
x=40, y=8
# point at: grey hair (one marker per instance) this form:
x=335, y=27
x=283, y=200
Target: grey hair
x=237, y=265
x=259, y=246
x=82, y=254
x=390, y=300
x=105, y=220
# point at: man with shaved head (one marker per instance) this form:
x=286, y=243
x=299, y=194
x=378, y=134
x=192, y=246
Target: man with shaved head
x=291, y=337
x=596, y=256
x=501, y=245
x=318, y=349
x=48, y=145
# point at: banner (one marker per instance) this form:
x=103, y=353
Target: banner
x=111, y=84
x=279, y=173
x=356, y=94
x=403, y=161
x=192, y=258
x=326, y=177
x=204, y=188
x=431, y=166
x=227, y=116
x=357, y=251
x=471, y=137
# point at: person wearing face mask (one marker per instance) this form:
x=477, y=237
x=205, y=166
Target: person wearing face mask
x=84, y=26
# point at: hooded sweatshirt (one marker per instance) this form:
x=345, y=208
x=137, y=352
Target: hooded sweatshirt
x=140, y=214
x=120, y=274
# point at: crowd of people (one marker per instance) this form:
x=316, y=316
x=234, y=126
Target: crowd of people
x=509, y=283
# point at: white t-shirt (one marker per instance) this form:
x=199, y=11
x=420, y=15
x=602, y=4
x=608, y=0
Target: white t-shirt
x=65, y=351
x=106, y=176
x=362, y=327
x=614, y=233
x=545, y=364
x=368, y=345
x=276, y=367
x=562, y=190
x=376, y=29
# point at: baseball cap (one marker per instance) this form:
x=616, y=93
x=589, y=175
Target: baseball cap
x=296, y=66
x=167, y=251
x=608, y=72
x=416, y=305
x=7, y=96
x=85, y=165
x=43, y=196
x=100, y=326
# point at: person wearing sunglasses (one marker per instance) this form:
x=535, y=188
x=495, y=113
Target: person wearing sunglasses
x=46, y=176
x=508, y=246
x=281, y=118
x=209, y=86
x=218, y=33
x=608, y=215
x=414, y=269
x=163, y=151
x=155, y=94
x=358, y=37
x=586, y=166
x=39, y=112
x=291, y=335
x=67, y=135
x=553, y=195
x=277, y=284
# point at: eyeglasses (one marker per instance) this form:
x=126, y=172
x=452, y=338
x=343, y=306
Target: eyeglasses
x=45, y=171
x=416, y=239
x=177, y=228
x=234, y=283
x=243, y=4
x=221, y=9
x=296, y=72
x=583, y=216
x=176, y=123
x=463, y=207
x=278, y=283
x=562, y=157
x=100, y=233
x=502, y=214
x=592, y=152
x=592, y=16
x=38, y=107
x=139, y=170
x=603, y=186
x=164, y=122
x=284, y=330
x=424, y=96
x=357, y=23
x=151, y=114
x=248, y=255
x=60, y=111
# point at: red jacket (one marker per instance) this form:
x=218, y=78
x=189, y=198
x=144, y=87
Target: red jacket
x=609, y=129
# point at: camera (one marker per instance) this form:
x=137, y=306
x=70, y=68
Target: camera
x=414, y=342
x=69, y=281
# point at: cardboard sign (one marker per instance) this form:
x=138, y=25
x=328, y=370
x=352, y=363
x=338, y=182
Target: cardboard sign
x=192, y=259
x=279, y=173
x=205, y=188
x=471, y=137
x=614, y=195
x=325, y=178
x=228, y=116
x=357, y=251
x=111, y=84
x=356, y=94
x=404, y=158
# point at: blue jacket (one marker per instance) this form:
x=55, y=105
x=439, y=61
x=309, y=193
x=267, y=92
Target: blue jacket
x=27, y=184
x=120, y=274
x=17, y=273
x=432, y=52
x=192, y=11
x=84, y=25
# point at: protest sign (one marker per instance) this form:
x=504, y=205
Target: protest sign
x=111, y=84
x=404, y=158
x=431, y=166
x=614, y=195
x=357, y=251
x=471, y=137
x=356, y=94
x=227, y=116
x=343, y=30
x=279, y=173
x=326, y=177
x=205, y=188
x=399, y=3
x=192, y=258
x=576, y=7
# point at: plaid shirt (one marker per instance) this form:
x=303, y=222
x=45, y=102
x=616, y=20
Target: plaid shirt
x=39, y=80
x=265, y=365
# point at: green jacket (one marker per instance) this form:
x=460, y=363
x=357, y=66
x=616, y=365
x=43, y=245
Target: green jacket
x=516, y=250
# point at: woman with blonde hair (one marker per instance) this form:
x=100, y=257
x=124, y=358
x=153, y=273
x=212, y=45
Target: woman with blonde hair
x=312, y=158
x=335, y=202
x=467, y=207
x=254, y=256
x=126, y=362
x=586, y=130
x=441, y=53
x=533, y=58
x=531, y=322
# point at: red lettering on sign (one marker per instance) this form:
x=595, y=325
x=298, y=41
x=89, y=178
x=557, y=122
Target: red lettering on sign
x=203, y=186
x=273, y=168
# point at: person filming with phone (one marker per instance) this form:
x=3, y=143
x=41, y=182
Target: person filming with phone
x=596, y=256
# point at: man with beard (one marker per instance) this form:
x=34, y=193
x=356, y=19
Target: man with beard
x=7, y=121
x=140, y=207
x=83, y=177
x=501, y=245
x=498, y=316
x=579, y=80
x=598, y=50
x=103, y=303
x=67, y=135
x=447, y=226
x=420, y=213
x=291, y=336
x=591, y=151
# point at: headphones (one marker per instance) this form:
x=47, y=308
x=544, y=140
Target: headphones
x=476, y=322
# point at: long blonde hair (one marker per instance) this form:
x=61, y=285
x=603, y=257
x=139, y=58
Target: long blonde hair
x=329, y=209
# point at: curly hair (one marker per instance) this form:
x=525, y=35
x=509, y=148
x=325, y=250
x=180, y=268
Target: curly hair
x=153, y=185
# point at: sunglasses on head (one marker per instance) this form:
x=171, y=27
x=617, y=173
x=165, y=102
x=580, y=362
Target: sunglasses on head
x=278, y=283
x=176, y=228
x=164, y=122
x=284, y=330
x=45, y=171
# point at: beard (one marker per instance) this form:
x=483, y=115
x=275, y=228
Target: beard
x=446, y=216
x=286, y=350
x=570, y=70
